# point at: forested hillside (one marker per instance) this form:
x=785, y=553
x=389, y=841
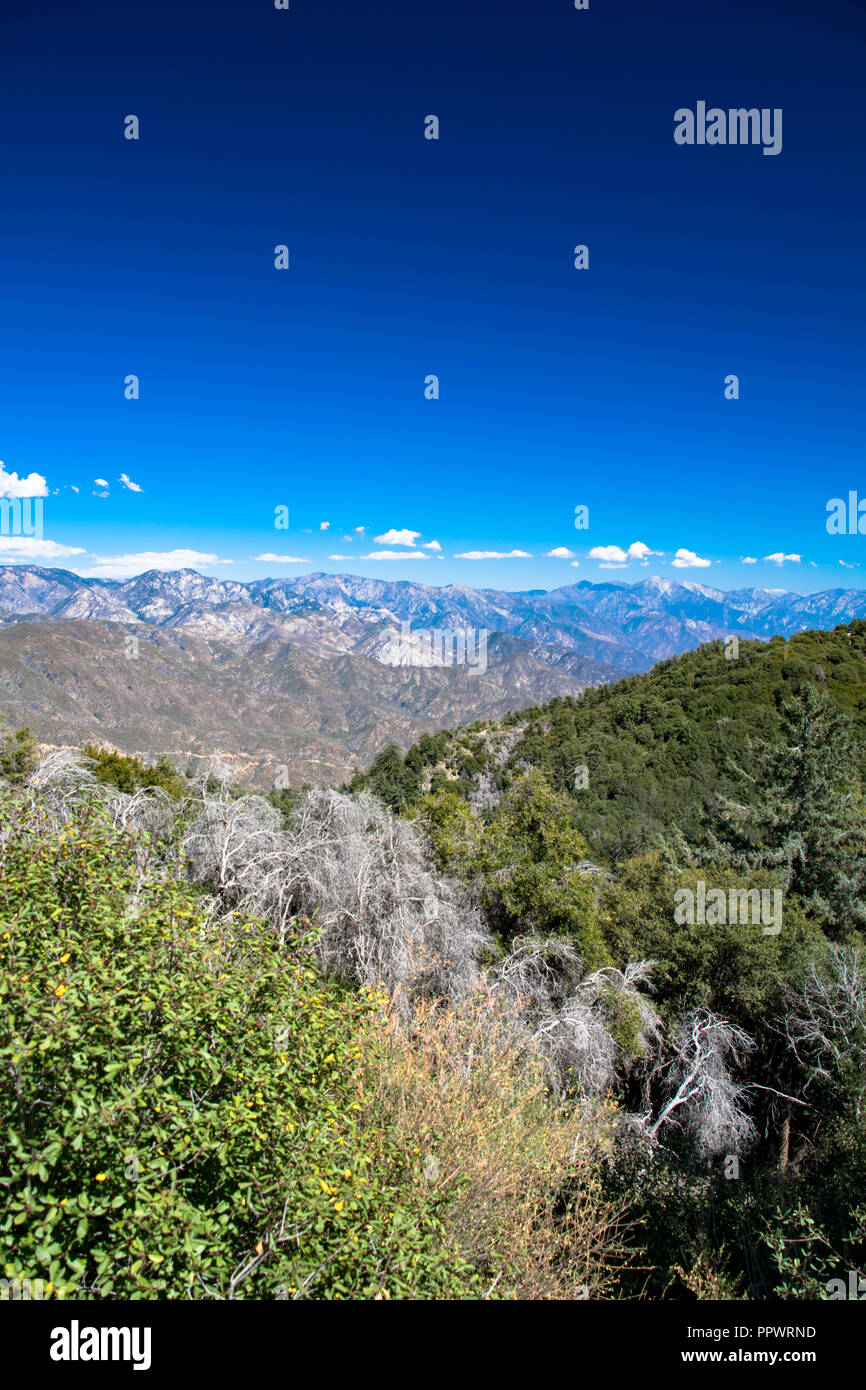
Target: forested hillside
x=657, y=749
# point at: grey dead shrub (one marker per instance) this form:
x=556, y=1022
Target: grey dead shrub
x=382, y=912
x=61, y=780
x=575, y=1021
x=231, y=845
x=149, y=811
x=569, y=1017
x=150, y=816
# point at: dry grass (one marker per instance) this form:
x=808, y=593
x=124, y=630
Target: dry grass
x=467, y=1096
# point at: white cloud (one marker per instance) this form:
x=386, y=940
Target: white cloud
x=129, y=484
x=360, y=530
x=323, y=525
x=614, y=557
x=779, y=558
x=559, y=552
x=748, y=560
x=344, y=557
x=638, y=551
x=403, y=537
x=11, y=485
x=610, y=554
x=688, y=560
x=118, y=566
x=853, y=565
x=101, y=482
x=394, y=555
x=575, y=564
x=29, y=548
x=347, y=538
x=74, y=488
x=494, y=555
x=431, y=545
x=269, y=559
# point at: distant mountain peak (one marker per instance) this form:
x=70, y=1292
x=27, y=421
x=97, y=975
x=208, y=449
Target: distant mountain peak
x=624, y=627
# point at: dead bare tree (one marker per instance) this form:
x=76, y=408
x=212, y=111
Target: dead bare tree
x=704, y=1098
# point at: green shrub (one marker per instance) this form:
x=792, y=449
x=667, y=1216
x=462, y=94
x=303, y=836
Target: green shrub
x=18, y=755
x=524, y=858
x=131, y=774
x=178, y=1099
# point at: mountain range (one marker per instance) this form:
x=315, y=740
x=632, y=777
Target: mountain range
x=315, y=673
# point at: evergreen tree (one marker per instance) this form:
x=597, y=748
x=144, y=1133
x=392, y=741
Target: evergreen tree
x=391, y=780
x=800, y=813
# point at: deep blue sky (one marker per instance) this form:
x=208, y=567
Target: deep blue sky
x=408, y=257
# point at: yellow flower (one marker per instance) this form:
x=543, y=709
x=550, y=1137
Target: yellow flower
x=338, y=1206
x=60, y=991
x=64, y=959
x=100, y=1177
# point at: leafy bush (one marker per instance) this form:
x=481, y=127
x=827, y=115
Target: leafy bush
x=179, y=1098
x=18, y=754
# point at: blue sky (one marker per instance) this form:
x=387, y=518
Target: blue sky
x=305, y=388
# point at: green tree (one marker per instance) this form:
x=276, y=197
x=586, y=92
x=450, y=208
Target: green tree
x=525, y=861
x=801, y=814
x=391, y=780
